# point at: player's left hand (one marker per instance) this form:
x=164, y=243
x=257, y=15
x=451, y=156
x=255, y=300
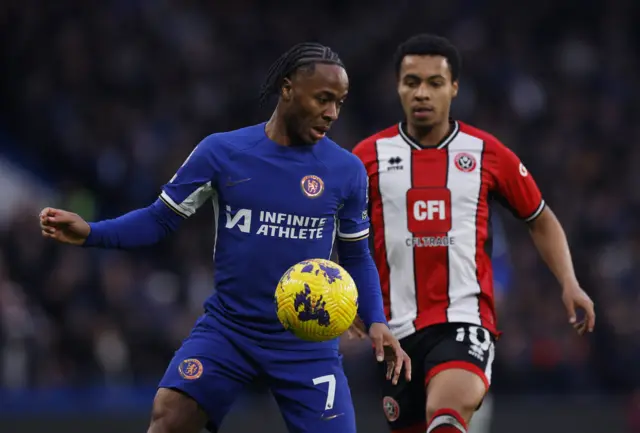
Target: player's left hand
x=388, y=349
x=574, y=297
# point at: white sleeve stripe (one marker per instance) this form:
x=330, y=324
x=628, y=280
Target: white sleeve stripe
x=360, y=234
x=536, y=213
x=190, y=205
x=172, y=204
x=353, y=239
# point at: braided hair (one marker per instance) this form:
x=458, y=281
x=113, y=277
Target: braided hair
x=300, y=55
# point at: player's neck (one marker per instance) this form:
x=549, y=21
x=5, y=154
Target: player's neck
x=276, y=130
x=430, y=136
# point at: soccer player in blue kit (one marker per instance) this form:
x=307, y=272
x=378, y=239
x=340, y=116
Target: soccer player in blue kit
x=282, y=192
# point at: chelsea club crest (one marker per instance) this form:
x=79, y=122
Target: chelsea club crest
x=312, y=186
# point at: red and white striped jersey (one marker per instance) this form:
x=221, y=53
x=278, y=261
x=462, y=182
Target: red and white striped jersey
x=430, y=214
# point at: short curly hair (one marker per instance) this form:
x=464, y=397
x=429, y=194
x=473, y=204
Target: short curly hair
x=429, y=45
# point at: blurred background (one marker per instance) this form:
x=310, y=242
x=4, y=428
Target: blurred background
x=102, y=101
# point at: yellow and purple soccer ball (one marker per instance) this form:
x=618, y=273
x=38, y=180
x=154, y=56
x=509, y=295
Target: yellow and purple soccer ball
x=316, y=300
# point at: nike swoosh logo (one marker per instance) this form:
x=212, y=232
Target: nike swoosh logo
x=235, y=182
x=330, y=417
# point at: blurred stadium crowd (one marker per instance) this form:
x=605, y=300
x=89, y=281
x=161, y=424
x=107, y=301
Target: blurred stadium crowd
x=104, y=100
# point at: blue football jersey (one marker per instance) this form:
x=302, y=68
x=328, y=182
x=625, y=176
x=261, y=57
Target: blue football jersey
x=274, y=207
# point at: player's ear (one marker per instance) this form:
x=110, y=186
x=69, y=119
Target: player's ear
x=287, y=90
x=454, y=89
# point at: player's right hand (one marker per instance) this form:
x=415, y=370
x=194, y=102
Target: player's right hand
x=63, y=226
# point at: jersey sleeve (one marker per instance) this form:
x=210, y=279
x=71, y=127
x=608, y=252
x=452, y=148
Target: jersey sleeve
x=191, y=186
x=517, y=187
x=353, y=217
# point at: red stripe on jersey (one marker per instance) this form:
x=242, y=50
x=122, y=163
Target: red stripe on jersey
x=431, y=264
x=483, y=259
x=366, y=151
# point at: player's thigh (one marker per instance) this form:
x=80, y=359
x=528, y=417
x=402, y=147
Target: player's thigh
x=404, y=404
x=313, y=395
x=456, y=389
x=176, y=412
x=211, y=370
x=458, y=369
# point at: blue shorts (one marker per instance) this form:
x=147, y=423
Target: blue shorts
x=214, y=364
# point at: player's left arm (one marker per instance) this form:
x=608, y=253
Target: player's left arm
x=353, y=248
x=522, y=195
x=355, y=258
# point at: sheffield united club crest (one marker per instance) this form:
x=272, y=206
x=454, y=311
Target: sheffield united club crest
x=391, y=408
x=465, y=162
x=312, y=186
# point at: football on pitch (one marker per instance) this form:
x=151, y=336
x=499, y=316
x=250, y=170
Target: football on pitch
x=316, y=300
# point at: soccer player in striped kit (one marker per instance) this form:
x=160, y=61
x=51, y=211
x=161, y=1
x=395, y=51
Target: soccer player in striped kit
x=432, y=180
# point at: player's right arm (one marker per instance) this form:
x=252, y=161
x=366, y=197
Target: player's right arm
x=180, y=198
